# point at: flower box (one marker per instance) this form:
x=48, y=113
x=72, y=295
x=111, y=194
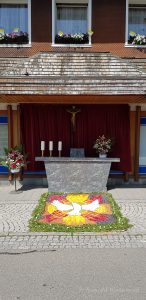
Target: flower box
x=14, y=38
x=78, y=38
x=136, y=39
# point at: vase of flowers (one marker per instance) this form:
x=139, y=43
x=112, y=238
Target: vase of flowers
x=14, y=159
x=103, y=145
x=102, y=155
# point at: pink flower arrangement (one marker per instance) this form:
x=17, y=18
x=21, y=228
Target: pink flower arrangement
x=14, y=159
x=103, y=144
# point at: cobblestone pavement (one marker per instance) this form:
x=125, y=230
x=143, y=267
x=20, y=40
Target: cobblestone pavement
x=16, y=209
x=27, y=243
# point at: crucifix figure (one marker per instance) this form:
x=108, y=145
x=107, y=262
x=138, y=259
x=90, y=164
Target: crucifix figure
x=73, y=111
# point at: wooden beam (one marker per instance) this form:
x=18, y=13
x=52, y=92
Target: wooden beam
x=137, y=142
x=10, y=134
x=73, y=99
x=10, y=126
x=18, y=125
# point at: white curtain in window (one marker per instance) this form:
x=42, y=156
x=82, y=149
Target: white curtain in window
x=14, y=16
x=3, y=138
x=137, y=20
x=71, y=19
x=142, y=158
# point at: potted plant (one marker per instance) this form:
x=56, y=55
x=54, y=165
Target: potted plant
x=103, y=145
x=14, y=159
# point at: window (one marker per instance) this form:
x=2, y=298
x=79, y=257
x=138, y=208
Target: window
x=14, y=22
x=136, y=22
x=71, y=21
x=142, y=156
x=3, y=134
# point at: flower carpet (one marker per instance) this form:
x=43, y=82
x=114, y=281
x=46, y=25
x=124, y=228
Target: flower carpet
x=77, y=212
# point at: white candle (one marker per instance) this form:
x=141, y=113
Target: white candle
x=60, y=146
x=50, y=145
x=42, y=145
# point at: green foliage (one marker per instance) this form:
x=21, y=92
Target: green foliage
x=121, y=223
x=17, y=148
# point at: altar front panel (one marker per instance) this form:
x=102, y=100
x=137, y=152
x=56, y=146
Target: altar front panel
x=74, y=175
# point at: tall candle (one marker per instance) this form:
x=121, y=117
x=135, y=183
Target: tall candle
x=42, y=145
x=50, y=145
x=60, y=146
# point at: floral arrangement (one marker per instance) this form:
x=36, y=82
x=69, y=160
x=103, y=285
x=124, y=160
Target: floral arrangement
x=136, y=39
x=103, y=145
x=19, y=37
x=14, y=158
x=76, y=38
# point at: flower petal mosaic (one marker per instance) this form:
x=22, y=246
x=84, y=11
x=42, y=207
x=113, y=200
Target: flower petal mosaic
x=77, y=210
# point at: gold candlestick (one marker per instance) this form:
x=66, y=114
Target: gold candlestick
x=59, y=153
x=50, y=153
x=42, y=152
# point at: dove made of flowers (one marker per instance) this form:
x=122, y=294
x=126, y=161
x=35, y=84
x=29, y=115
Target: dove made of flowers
x=76, y=209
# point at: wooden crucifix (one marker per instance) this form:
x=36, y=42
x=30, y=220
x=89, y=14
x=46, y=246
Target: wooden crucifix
x=73, y=111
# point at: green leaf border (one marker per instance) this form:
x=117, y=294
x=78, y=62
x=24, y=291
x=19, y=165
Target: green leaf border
x=121, y=222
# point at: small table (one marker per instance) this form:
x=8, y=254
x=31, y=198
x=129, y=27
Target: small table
x=68, y=174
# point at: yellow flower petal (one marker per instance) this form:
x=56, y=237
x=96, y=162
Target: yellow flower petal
x=77, y=198
x=74, y=220
x=104, y=209
x=50, y=208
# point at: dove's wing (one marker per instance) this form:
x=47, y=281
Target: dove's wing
x=91, y=206
x=61, y=206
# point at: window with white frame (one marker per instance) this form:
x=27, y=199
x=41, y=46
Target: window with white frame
x=3, y=134
x=14, y=21
x=71, y=21
x=142, y=154
x=136, y=22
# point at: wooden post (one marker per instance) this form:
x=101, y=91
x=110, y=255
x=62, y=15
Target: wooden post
x=137, y=142
x=126, y=176
x=10, y=126
x=20, y=175
x=10, y=133
x=18, y=125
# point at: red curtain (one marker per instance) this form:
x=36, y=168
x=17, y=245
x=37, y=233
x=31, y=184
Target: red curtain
x=42, y=122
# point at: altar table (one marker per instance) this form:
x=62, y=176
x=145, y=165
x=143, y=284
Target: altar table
x=66, y=174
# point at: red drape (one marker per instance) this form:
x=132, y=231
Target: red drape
x=53, y=122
